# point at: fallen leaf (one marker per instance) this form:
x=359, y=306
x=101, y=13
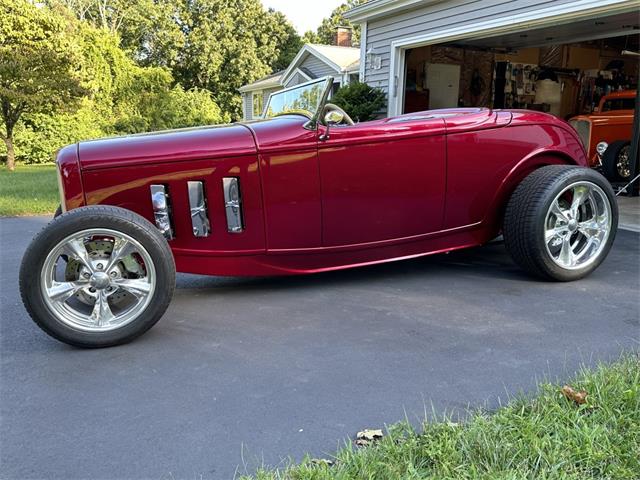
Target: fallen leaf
x=367, y=436
x=579, y=397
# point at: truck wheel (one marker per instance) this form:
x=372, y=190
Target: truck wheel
x=560, y=222
x=616, y=163
x=97, y=276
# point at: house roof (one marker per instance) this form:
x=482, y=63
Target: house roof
x=270, y=81
x=340, y=59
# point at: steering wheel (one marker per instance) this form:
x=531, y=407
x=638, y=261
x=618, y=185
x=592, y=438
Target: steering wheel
x=330, y=107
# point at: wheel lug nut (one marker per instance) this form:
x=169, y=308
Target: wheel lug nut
x=99, y=266
x=114, y=274
x=92, y=290
x=86, y=275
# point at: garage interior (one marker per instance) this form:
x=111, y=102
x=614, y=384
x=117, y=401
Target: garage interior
x=560, y=69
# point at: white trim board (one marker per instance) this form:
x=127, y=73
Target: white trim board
x=382, y=8
x=363, y=50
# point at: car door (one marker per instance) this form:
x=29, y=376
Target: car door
x=382, y=180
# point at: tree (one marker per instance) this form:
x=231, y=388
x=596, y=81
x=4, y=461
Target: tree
x=218, y=45
x=327, y=29
x=38, y=65
x=229, y=43
x=310, y=37
x=361, y=101
x=120, y=96
x=149, y=30
x=289, y=42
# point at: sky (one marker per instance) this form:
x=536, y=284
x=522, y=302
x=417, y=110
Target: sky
x=304, y=14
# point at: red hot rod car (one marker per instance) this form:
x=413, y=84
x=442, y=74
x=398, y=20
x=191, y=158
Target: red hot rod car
x=305, y=190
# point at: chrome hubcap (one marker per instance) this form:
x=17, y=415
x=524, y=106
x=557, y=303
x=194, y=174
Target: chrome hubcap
x=577, y=225
x=98, y=280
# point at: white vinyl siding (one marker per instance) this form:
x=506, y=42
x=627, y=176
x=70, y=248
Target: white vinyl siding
x=247, y=106
x=317, y=67
x=296, y=79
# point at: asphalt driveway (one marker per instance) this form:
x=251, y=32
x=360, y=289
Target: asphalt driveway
x=241, y=372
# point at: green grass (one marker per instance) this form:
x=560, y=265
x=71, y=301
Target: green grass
x=29, y=190
x=545, y=437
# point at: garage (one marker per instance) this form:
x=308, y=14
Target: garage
x=559, y=57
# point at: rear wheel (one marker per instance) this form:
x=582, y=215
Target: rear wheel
x=616, y=163
x=97, y=276
x=560, y=222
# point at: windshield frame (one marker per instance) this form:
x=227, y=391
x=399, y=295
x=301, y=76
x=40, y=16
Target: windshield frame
x=312, y=124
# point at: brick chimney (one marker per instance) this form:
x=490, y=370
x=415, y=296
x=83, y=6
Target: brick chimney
x=342, y=37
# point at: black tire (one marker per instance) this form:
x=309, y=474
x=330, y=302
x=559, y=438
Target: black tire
x=99, y=217
x=611, y=159
x=526, y=214
x=58, y=212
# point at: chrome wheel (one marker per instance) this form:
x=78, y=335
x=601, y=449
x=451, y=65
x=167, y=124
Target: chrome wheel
x=622, y=162
x=97, y=280
x=577, y=225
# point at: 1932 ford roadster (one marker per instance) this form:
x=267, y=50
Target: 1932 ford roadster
x=305, y=190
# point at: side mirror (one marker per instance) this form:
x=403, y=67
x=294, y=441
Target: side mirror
x=331, y=119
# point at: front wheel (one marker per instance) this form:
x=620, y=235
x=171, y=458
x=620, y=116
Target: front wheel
x=616, y=161
x=97, y=276
x=560, y=222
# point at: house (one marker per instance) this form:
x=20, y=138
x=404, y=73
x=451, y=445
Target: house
x=256, y=94
x=312, y=61
x=559, y=56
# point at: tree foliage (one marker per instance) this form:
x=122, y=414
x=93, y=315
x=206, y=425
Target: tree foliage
x=217, y=45
x=360, y=100
x=289, y=42
x=118, y=94
x=327, y=29
x=149, y=30
x=230, y=43
x=38, y=65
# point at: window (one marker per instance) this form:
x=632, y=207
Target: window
x=258, y=104
x=619, y=104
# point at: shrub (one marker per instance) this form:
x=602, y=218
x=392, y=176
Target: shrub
x=38, y=137
x=361, y=101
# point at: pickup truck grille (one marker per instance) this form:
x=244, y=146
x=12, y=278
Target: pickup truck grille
x=583, y=127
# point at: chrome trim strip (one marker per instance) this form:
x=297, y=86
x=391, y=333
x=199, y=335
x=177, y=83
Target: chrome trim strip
x=198, y=206
x=161, y=210
x=233, y=204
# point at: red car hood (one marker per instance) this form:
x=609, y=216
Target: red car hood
x=168, y=146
